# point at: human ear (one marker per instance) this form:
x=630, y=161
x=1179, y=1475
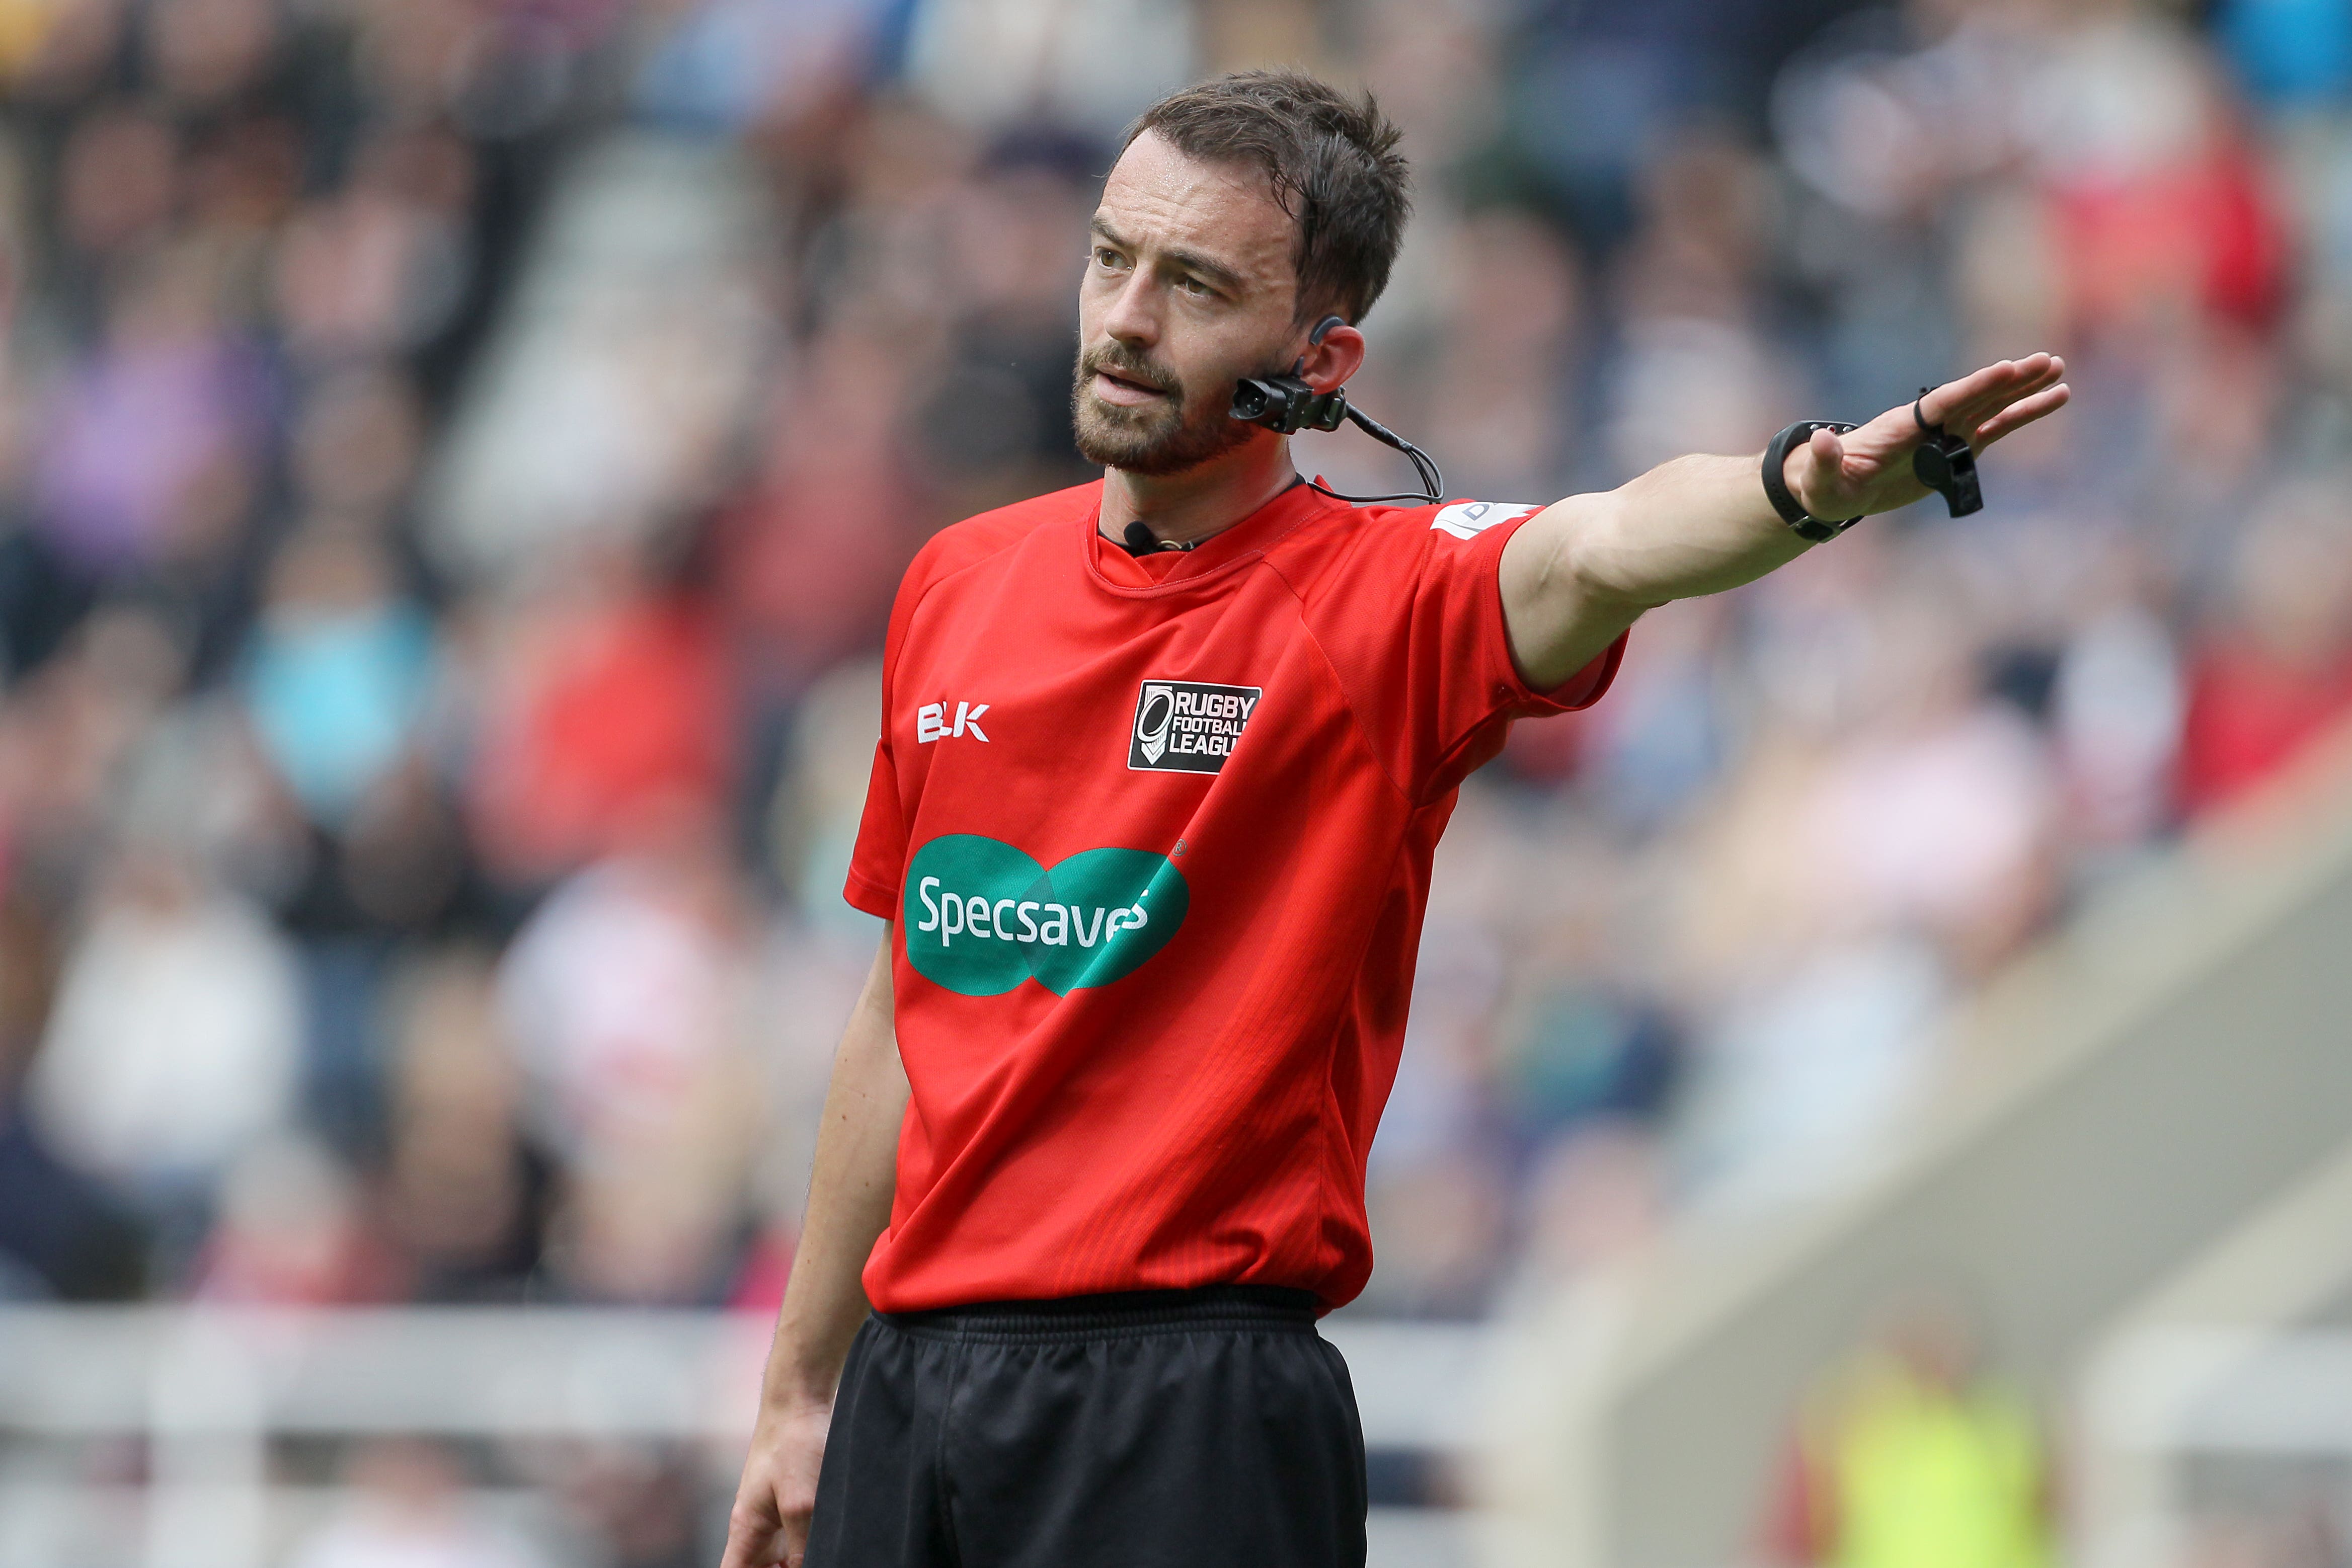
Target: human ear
x=1335, y=351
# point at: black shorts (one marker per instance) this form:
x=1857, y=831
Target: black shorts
x=1165, y=1430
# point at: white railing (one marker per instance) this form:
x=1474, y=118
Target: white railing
x=2159, y=1399
x=210, y=1390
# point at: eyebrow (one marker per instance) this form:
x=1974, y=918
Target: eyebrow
x=1224, y=277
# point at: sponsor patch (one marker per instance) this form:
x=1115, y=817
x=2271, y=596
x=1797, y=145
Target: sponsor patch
x=981, y=916
x=1189, y=726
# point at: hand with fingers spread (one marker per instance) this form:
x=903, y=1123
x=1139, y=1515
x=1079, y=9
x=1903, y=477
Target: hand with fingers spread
x=1582, y=570
x=1869, y=469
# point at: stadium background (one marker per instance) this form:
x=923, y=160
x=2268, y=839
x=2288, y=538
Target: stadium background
x=455, y=457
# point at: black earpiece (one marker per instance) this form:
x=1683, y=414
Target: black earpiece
x=1315, y=339
x=1286, y=404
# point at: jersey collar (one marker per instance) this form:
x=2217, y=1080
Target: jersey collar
x=1244, y=543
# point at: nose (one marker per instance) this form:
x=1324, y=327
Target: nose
x=1133, y=317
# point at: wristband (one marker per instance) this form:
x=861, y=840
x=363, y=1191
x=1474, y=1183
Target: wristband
x=1776, y=488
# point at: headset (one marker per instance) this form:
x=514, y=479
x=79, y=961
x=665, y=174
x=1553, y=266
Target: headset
x=1286, y=404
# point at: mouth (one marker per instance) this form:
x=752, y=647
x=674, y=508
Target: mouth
x=1125, y=390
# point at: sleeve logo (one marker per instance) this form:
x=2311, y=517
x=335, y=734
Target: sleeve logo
x=1469, y=519
x=1189, y=726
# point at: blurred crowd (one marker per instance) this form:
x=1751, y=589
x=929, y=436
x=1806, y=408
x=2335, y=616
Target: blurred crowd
x=455, y=457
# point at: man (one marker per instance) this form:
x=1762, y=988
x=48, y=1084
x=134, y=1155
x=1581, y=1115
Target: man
x=1152, y=817
x=1910, y=1455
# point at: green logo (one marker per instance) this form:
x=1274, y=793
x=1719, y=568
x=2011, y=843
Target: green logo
x=982, y=917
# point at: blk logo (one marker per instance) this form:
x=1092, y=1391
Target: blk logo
x=931, y=722
x=1189, y=726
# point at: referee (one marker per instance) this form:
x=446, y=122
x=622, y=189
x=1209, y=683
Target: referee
x=1163, y=762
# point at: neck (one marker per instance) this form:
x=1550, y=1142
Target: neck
x=1201, y=501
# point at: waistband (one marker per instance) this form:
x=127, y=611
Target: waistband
x=1271, y=1309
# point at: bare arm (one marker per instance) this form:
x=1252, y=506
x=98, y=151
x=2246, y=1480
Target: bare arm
x=1579, y=572
x=849, y=1204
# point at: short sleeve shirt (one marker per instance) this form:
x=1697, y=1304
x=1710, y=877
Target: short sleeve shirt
x=1155, y=838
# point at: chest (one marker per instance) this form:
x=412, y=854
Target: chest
x=1023, y=686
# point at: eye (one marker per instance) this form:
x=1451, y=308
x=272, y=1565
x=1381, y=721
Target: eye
x=1107, y=258
x=1195, y=286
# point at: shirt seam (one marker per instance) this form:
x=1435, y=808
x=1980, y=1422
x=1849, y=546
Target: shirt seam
x=1346, y=697
x=1445, y=758
x=879, y=893
x=1519, y=692
x=1495, y=635
x=1335, y=1116
x=889, y=683
x=941, y=581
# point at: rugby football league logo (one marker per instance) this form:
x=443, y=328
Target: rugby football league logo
x=1189, y=726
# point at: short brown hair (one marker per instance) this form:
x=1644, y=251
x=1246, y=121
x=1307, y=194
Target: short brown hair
x=1331, y=160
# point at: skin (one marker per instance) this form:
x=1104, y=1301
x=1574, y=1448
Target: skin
x=1189, y=285
x=849, y=1203
x=1191, y=274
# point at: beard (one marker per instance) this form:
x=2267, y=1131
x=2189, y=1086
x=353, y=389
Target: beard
x=1168, y=437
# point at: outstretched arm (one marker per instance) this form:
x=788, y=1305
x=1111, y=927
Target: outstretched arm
x=1579, y=572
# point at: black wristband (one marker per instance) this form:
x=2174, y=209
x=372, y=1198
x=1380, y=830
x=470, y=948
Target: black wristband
x=1776, y=488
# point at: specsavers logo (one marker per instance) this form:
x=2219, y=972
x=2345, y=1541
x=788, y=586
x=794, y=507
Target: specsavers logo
x=982, y=917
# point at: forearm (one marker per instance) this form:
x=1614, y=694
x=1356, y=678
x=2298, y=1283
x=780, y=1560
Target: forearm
x=1691, y=526
x=1578, y=574
x=848, y=1205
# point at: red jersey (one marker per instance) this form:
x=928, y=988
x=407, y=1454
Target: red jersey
x=1155, y=835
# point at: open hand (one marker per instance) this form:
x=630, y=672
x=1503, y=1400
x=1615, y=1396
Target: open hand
x=1868, y=469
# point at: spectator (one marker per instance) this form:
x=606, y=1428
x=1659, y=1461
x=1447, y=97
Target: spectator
x=338, y=672
x=292, y=1231
x=606, y=716
x=626, y=999
x=404, y=1507
x=61, y=1235
x=168, y=396
x=2275, y=671
x=176, y=1039
x=1910, y=1457
x=2116, y=712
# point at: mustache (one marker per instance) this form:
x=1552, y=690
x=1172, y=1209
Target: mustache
x=1115, y=359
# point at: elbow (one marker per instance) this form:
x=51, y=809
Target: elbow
x=1590, y=564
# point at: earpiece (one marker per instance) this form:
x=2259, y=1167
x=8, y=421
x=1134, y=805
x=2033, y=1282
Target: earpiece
x=1315, y=339
x=1286, y=404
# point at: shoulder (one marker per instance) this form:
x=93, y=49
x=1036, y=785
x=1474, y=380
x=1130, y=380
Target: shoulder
x=1466, y=519
x=1346, y=543
x=979, y=538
